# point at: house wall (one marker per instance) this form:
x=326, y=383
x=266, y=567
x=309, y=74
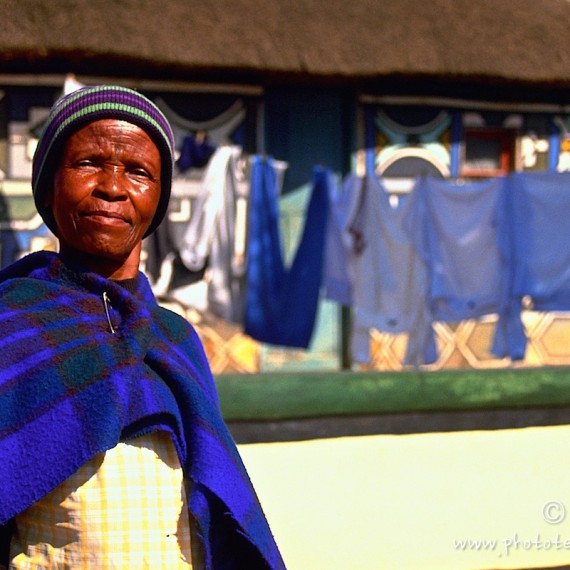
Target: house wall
x=309, y=127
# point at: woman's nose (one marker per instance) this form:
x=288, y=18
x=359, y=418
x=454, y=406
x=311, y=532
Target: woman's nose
x=111, y=183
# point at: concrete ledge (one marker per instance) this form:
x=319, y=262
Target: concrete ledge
x=396, y=424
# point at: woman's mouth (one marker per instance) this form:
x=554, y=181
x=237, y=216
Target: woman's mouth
x=105, y=217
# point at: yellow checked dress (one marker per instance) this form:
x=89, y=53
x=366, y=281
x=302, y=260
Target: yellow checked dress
x=124, y=509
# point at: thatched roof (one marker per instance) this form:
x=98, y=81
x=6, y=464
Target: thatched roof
x=493, y=41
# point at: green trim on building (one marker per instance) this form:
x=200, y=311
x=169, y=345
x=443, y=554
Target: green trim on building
x=282, y=396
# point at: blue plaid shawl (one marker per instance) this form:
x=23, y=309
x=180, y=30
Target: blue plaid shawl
x=70, y=389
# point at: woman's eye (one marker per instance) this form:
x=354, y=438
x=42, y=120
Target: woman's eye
x=84, y=163
x=140, y=172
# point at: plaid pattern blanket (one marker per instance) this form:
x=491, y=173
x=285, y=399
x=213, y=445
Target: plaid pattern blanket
x=70, y=388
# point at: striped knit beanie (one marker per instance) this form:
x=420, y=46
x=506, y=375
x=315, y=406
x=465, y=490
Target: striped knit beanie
x=90, y=104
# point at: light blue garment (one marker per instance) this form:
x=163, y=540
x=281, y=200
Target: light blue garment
x=282, y=302
x=337, y=285
x=458, y=229
x=539, y=206
x=388, y=278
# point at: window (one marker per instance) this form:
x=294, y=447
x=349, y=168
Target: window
x=487, y=152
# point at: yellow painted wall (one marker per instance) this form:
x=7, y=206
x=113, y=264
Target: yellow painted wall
x=401, y=502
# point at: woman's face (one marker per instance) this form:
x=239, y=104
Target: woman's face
x=105, y=194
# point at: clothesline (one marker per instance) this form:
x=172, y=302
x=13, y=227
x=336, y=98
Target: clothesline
x=445, y=250
x=470, y=249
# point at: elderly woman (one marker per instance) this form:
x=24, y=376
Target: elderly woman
x=114, y=453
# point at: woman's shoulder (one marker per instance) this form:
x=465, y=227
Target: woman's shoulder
x=176, y=327
x=172, y=319
x=28, y=270
x=18, y=283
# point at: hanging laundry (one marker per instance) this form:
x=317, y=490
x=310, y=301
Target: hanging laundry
x=168, y=275
x=282, y=302
x=9, y=245
x=209, y=242
x=9, y=248
x=457, y=229
x=196, y=151
x=538, y=206
x=337, y=285
x=389, y=279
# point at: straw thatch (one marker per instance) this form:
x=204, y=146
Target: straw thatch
x=494, y=41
